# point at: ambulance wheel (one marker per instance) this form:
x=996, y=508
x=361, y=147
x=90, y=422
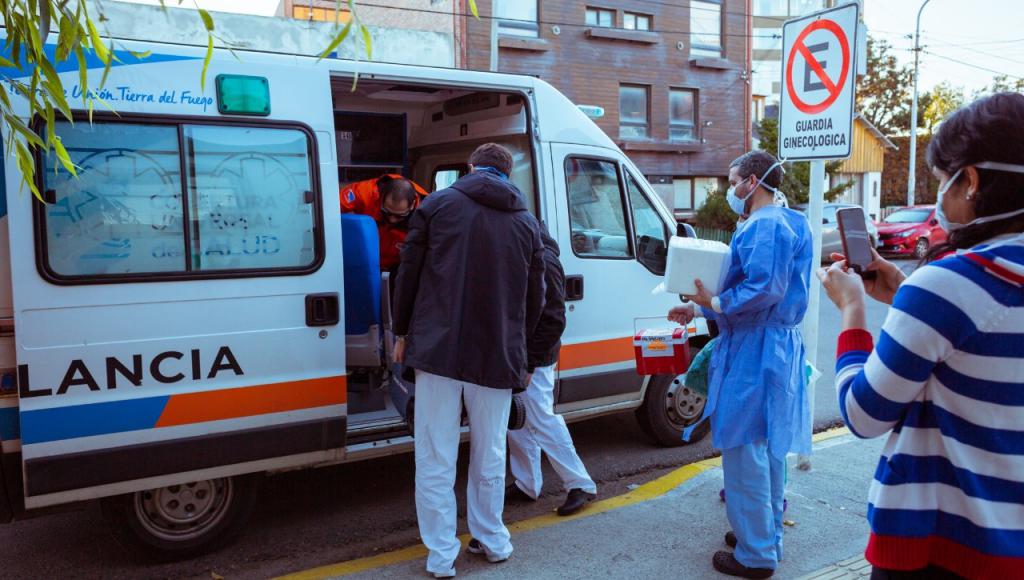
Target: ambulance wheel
x=178, y=522
x=669, y=407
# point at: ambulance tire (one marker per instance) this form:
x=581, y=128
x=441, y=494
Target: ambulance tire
x=224, y=504
x=663, y=422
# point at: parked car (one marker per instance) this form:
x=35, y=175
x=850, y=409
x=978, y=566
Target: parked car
x=830, y=240
x=910, y=231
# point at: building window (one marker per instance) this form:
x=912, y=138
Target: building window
x=516, y=17
x=600, y=17
x=634, y=21
x=683, y=194
x=633, y=107
x=706, y=28
x=771, y=7
x=321, y=14
x=758, y=108
x=682, y=115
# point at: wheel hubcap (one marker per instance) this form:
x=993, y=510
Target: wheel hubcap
x=182, y=512
x=684, y=405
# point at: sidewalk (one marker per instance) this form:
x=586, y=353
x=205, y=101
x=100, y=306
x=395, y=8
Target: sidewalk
x=670, y=527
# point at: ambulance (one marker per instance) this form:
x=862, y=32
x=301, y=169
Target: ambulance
x=191, y=312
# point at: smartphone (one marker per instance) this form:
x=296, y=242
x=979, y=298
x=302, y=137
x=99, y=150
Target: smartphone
x=853, y=230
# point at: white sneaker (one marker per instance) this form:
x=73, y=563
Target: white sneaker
x=446, y=574
x=475, y=547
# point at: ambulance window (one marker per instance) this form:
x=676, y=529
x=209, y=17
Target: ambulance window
x=167, y=199
x=122, y=214
x=247, y=190
x=650, y=232
x=596, y=209
x=446, y=175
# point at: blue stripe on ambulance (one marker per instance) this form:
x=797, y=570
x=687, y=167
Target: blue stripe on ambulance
x=123, y=58
x=44, y=425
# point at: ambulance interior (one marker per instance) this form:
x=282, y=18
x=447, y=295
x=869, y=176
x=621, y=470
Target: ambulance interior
x=425, y=133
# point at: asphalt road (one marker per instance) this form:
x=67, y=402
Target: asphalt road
x=317, y=517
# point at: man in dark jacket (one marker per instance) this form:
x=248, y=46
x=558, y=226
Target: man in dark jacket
x=470, y=289
x=544, y=430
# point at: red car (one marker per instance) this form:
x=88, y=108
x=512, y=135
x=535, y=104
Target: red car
x=910, y=231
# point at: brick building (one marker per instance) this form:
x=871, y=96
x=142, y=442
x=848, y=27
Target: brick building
x=671, y=77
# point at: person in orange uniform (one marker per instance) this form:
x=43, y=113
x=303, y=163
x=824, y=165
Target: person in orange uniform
x=390, y=200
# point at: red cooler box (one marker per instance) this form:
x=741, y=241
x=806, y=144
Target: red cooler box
x=662, y=351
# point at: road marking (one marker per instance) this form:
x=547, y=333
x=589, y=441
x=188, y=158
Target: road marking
x=645, y=492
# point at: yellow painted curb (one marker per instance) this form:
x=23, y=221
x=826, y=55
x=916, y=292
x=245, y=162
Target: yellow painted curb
x=645, y=492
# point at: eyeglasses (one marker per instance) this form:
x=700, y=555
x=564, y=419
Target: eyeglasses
x=385, y=213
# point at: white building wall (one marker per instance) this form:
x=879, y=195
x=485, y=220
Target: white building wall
x=273, y=34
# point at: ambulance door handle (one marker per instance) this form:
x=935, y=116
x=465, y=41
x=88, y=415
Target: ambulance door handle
x=573, y=288
x=322, y=309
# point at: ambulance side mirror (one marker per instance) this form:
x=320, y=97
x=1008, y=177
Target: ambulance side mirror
x=684, y=230
x=653, y=254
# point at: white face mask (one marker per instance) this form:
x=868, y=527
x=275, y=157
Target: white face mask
x=739, y=206
x=940, y=213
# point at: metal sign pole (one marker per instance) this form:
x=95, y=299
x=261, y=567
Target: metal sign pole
x=810, y=325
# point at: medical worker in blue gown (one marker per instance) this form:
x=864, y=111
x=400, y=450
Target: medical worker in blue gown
x=757, y=399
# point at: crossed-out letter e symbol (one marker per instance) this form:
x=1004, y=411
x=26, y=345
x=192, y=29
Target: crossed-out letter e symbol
x=811, y=81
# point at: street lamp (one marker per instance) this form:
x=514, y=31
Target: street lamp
x=911, y=178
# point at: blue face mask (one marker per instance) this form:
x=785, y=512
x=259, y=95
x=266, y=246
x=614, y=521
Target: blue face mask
x=940, y=213
x=739, y=205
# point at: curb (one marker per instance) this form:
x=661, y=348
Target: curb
x=648, y=491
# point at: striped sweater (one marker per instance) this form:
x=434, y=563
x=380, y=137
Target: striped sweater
x=947, y=379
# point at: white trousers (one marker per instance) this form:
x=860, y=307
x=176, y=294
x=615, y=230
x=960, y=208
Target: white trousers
x=545, y=431
x=438, y=411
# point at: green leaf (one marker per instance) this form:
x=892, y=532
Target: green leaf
x=367, y=40
x=207, y=20
x=28, y=168
x=63, y=157
x=206, y=61
x=97, y=42
x=141, y=55
x=50, y=131
x=472, y=8
x=22, y=129
x=6, y=63
x=337, y=40
x=83, y=74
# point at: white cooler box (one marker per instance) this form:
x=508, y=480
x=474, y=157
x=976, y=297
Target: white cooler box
x=690, y=259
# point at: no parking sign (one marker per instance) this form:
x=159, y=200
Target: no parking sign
x=819, y=71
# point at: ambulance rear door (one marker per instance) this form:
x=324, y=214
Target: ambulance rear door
x=178, y=303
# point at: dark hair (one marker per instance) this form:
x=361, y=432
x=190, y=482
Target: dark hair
x=756, y=163
x=989, y=129
x=396, y=187
x=492, y=155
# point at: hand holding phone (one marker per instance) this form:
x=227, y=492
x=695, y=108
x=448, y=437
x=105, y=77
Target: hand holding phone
x=853, y=231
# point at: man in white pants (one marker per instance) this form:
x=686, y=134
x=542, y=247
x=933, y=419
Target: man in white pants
x=544, y=430
x=469, y=290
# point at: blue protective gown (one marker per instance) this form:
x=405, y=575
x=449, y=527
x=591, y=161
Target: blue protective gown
x=757, y=386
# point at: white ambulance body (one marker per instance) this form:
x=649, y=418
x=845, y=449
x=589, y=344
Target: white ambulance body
x=173, y=322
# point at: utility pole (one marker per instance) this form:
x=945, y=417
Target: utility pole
x=911, y=177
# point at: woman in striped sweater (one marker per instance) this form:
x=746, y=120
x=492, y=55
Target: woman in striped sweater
x=946, y=379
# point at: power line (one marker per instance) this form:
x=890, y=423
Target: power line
x=987, y=70
x=988, y=54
